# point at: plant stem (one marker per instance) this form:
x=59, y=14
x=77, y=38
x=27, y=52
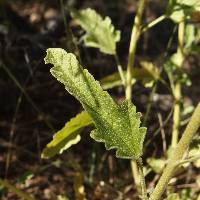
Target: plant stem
x=177, y=87
x=142, y=179
x=71, y=45
x=189, y=160
x=178, y=154
x=149, y=104
x=159, y=129
x=136, y=175
x=120, y=70
x=132, y=49
x=153, y=23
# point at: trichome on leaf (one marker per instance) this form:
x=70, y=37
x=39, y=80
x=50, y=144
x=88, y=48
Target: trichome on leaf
x=118, y=126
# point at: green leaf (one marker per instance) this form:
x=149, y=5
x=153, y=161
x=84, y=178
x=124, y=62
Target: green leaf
x=100, y=33
x=25, y=176
x=118, y=126
x=192, y=39
x=152, y=70
x=67, y=136
x=157, y=165
x=194, y=150
x=180, y=9
x=147, y=74
x=111, y=81
x=174, y=72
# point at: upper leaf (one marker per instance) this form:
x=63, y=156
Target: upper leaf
x=118, y=126
x=67, y=136
x=180, y=9
x=100, y=33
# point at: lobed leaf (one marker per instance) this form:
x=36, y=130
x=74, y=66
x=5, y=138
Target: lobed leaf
x=100, y=33
x=67, y=136
x=118, y=126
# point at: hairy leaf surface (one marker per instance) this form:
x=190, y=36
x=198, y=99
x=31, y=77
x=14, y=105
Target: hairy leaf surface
x=100, y=33
x=67, y=136
x=118, y=126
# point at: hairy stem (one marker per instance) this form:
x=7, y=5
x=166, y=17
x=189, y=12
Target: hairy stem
x=136, y=30
x=177, y=155
x=177, y=87
x=136, y=175
x=142, y=179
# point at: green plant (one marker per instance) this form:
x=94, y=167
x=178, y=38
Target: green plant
x=119, y=126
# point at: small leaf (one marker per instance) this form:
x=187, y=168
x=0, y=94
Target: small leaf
x=26, y=176
x=100, y=33
x=147, y=74
x=187, y=110
x=192, y=38
x=194, y=150
x=189, y=35
x=157, y=165
x=113, y=80
x=173, y=70
x=152, y=70
x=180, y=9
x=118, y=126
x=67, y=136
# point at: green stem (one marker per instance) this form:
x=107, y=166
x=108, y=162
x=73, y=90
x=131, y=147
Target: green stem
x=154, y=22
x=149, y=104
x=135, y=174
x=159, y=129
x=189, y=160
x=177, y=87
x=142, y=179
x=178, y=154
x=132, y=49
x=71, y=44
x=120, y=70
